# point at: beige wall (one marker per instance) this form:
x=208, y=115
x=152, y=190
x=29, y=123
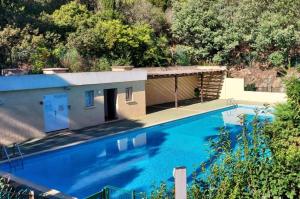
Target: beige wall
x=21, y=113
x=234, y=88
x=159, y=91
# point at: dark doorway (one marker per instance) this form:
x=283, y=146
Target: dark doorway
x=110, y=99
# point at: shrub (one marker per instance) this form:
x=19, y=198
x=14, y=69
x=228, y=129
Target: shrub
x=121, y=62
x=197, y=92
x=70, y=15
x=101, y=64
x=40, y=59
x=250, y=87
x=182, y=55
x=276, y=59
x=143, y=11
x=73, y=61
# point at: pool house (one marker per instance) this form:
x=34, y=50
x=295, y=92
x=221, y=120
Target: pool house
x=32, y=105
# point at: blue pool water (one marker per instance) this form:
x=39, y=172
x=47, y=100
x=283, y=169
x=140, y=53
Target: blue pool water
x=136, y=159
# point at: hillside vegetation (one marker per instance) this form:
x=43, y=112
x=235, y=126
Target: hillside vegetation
x=92, y=35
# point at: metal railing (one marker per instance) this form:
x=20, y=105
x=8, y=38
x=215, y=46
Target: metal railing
x=17, y=153
x=271, y=89
x=266, y=89
x=110, y=192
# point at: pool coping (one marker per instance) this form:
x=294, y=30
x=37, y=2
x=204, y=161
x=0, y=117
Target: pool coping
x=46, y=192
x=61, y=195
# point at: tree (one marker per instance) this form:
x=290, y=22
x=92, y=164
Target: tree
x=113, y=39
x=231, y=32
x=195, y=24
x=142, y=11
x=9, y=37
x=70, y=16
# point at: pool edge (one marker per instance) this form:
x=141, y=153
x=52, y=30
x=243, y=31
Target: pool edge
x=113, y=134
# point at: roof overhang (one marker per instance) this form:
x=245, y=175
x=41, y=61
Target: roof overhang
x=26, y=82
x=163, y=72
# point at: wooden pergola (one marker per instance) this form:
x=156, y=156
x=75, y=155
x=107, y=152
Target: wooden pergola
x=180, y=71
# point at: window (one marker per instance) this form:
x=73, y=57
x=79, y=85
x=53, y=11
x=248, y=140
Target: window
x=129, y=94
x=89, y=98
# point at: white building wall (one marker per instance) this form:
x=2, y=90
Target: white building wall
x=234, y=88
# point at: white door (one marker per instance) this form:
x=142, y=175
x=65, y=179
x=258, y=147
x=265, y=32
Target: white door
x=56, y=112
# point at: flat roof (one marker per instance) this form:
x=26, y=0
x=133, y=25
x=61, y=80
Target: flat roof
x=26, y=82
x=153, y=72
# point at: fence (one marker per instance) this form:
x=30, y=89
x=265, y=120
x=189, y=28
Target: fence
x=271, y=89
x=21, y=194
x=110, y=192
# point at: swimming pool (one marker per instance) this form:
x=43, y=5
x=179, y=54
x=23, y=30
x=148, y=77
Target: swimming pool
x=134, y=160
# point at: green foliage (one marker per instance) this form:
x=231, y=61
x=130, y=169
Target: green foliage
x=115, y=40
x=158, y=53
x=161, y=192
x=182, y=55
x=121, y=62
x=73, y=60
x=39, y=59
x=114, y=5
x=197, y=92
x=101, y=64
x=71, y=15
x=284, y=134
x=228, y=32
x=250, y=87
x=17, y=45
x=218, y=32
x=142, y=11
x=196, y=24
x=276, y=59
x=161, y=3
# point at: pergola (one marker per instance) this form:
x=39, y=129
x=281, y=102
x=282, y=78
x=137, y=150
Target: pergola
x=180, y=71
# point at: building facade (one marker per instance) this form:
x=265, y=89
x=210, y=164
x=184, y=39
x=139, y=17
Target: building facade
x=33, y=105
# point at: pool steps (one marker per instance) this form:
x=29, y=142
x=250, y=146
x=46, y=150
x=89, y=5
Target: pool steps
x=17, y=153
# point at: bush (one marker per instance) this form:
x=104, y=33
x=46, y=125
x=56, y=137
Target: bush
x=101, y=64
x=142, y=11
x=182, y=55
x=121, y=62
x=276, y=59
x=197, y=92
x=74, y=61
x=40, y=59
x=70, y=16
x=158, y=53
x=250, y=87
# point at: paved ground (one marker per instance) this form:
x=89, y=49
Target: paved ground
x=156, y=114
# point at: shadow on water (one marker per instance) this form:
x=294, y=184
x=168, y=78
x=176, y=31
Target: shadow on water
x=154, y=142
x=234, y=131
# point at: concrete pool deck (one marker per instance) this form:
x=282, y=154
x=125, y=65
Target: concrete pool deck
x=158, y=114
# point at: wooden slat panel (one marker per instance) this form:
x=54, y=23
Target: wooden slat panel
x=161, y=90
